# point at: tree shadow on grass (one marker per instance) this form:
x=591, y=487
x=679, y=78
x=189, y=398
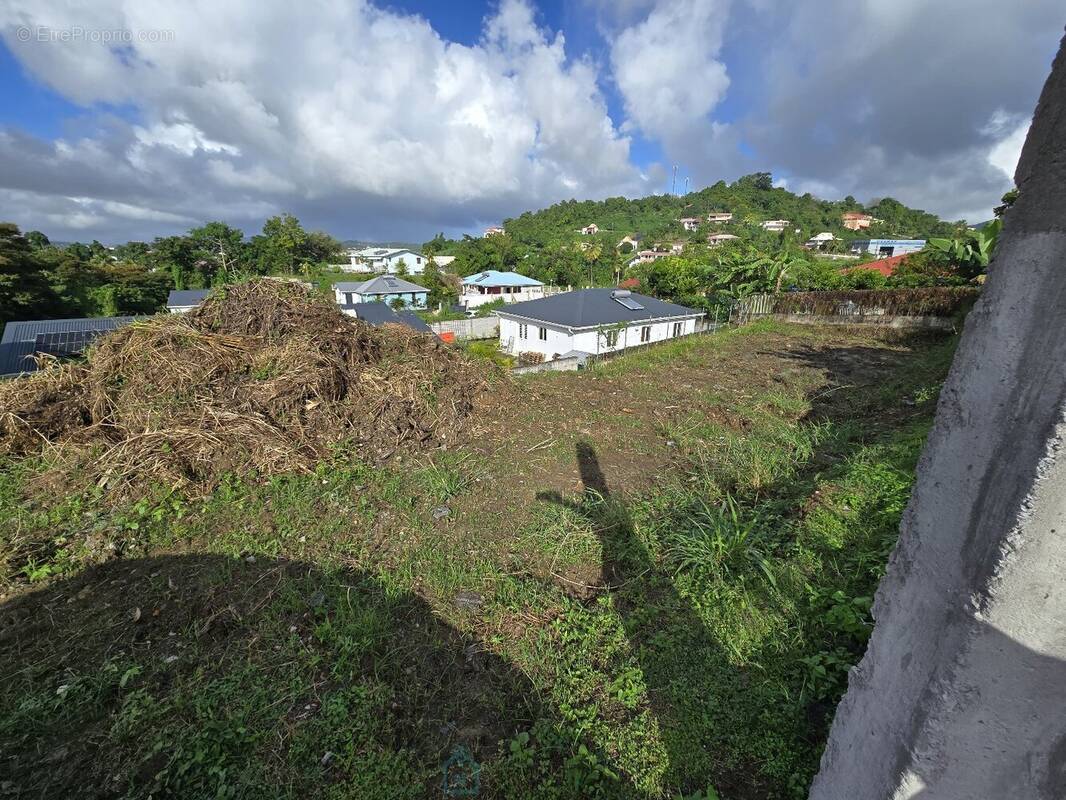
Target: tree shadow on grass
x=671, y=644
x=201, y=675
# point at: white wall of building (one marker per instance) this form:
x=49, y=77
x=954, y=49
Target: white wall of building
x=560, y=339
x=472, y=297
x=414, y=262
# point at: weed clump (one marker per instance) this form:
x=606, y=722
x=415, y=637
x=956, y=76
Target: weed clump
x=264, y=376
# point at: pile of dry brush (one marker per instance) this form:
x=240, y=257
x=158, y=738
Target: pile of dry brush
x=263, y=376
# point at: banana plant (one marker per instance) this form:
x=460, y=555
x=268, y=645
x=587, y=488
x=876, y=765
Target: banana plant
x=972, y=254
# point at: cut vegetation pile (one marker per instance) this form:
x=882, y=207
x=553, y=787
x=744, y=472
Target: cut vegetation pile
x=264, y=376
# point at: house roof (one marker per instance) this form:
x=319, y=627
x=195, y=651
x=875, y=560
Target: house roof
x=180, y=298
x=886, y=266
x=494, y=277
x=380, y=252
x=916, y=242
x=382, y=284
x=56, y=336
x=856, y=215
x=380, y=313
x=589, y=308
x=630, y=283
x=721, y=237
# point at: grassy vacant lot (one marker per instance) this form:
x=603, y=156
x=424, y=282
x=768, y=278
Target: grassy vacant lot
x=647, y=581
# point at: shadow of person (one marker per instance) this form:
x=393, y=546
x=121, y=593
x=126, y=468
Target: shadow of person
x=669, y=640
x=202, y=675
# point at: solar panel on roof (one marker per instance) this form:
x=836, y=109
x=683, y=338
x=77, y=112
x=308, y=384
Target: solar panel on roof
x=391, y=283
x=64, y=343
x=630, y=303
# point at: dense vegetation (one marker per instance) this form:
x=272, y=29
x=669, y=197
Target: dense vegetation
x=358, y=631
x=41, y=279
x=548, y=245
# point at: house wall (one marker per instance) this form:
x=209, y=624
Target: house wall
x=472, y=298
x=410, y=299
x=561, y=340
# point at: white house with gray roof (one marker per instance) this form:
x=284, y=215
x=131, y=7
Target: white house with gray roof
x=591, y=321
x=383, y=288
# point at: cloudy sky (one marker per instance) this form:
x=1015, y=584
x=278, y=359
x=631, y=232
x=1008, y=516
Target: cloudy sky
x=123, y=119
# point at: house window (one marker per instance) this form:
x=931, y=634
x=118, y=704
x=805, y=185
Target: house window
x=543, y=334
x=611, y=338
x=645, y=333
x=677, y=329
x=523, y=331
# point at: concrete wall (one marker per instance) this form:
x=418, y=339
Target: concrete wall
x=882, y=320
x=962, y=692
x=464, y=329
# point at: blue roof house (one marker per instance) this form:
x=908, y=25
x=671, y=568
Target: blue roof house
x=493, y=285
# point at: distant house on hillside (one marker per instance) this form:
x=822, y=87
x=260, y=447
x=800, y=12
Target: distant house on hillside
x=56, y=337
x=590, y=230
x=885, y=266
x=719, y=217
x=716, y=239
x=887, y=247
x=442, y=261
x=384, y=288
x=591, y=321
x=776, y=225
x=385, y=260
x=646, y=256
x=382, y=314
x=856, y=220
x=677, y=248
x=491, y=285
x=690, y=223
x=180, y=301
x=820, y=241
x=494, y=230
x=632, y=239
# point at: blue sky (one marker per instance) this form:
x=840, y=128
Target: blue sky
x=397, y=120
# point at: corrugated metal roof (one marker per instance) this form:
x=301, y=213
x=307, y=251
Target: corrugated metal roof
x=382, y=284
x=592, y=307
x=380, y=313
x=19, y=341
x=494, y=277
x=183, y=298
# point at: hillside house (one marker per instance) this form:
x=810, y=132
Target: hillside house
x=492, y=285
x=442, y=261
x=856, y=220
x=776, y=225
x=645, y=257
x=493, y=230
x=382, y=289
x=56, y=337
x=179, y=301
x=632, y=239
x=590, y=230
x=591, y=321
x=820, y=241
x=677, y=248
x=390, y=261
x=720, y=217
x=690, y=223
x=716, y=239
x=885, y=248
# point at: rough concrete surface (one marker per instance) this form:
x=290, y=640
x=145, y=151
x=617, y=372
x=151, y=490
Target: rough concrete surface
x=962, y=692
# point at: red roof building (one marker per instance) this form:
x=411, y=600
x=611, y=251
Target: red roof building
x=630, y=283
x=886, y=266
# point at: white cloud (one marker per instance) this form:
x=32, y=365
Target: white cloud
x=367, y=110
x=1009, y=132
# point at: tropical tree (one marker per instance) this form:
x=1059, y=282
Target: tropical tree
x=972, y=253
x=24, y=289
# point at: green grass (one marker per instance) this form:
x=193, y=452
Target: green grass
x=302, y=635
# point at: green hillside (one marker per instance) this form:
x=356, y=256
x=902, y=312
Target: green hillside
x=548, y=244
